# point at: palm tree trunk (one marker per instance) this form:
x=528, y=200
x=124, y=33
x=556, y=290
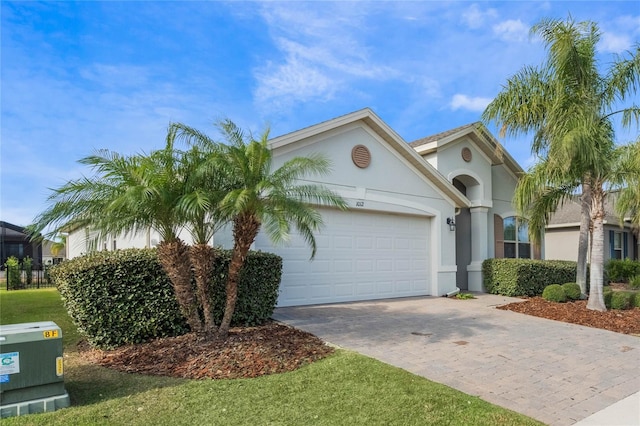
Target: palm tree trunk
x=245, y=229
x=202, y=257
x=596, y=299
x=583, y=242
x=174, y=257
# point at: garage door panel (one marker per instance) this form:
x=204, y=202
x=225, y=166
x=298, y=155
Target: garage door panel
x=361, y=256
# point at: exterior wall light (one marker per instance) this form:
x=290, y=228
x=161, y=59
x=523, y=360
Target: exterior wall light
x=451, y=223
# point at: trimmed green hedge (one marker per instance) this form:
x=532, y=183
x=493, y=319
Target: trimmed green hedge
x=572, y=290
x=258, y=287
x=525, y=277
x=621, y=299
x=124, y=296
x=554, y=293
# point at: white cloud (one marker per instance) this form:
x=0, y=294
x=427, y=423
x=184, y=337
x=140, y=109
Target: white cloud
x=115, y=75
x=511, y=30
x=321, y=49
x=460, y=101
x=614, y=43
x=476, y=18
x=293, y=81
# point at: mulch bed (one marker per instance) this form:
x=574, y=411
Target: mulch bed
x=576, y=312
x=248, y=352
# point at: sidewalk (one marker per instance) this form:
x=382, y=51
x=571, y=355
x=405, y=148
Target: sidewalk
x=623, y=413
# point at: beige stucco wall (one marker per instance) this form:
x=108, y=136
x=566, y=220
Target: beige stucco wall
x=561, y=244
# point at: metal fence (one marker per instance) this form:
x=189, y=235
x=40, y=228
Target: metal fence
x=20, y=279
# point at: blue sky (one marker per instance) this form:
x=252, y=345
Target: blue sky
x=80, y=76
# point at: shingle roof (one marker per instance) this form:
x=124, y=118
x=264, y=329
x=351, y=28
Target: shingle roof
x=569, y=212
x=441, y=135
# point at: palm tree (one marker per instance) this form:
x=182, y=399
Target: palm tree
x=205, y=189
x=262, y=196
x=628, y=200
x=568, y=106
x=58, y=245
x=127, y=195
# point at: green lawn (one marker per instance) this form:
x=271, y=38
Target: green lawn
x=345, y=388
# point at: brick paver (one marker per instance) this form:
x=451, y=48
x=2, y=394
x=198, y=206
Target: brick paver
x=555, y=372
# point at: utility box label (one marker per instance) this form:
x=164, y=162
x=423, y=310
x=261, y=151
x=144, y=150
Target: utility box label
x=50, y=334
x=59, y=366
x=10, y=363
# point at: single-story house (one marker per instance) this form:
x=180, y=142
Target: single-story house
x=561, y=234
x=422, y=216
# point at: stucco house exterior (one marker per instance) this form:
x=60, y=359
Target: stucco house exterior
x=422, y=216
x=561, y=235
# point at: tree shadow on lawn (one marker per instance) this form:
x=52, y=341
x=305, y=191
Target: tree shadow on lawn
x=88, y=383
x=393, y=320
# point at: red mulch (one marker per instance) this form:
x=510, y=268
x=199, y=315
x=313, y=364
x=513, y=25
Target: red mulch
x=576, y=312
x=248, y=352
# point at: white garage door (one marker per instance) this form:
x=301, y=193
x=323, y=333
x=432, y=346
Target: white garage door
x=361, y=256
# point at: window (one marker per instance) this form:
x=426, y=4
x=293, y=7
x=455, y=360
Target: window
x=617, y=245
x=516, y=238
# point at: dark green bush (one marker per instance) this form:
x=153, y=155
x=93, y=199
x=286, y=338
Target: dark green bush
x=554, y=293
x=119, y=297
x=258, y=287
x=525, y=277
x=622, y=300
x=124, y=296
x=607, y=295
x=619, y=271
x=635, y=282
x=572, y=290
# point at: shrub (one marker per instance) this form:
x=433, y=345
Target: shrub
x=124, y=296
x=13, y=273
x=258, y=287
x=119, y=297
x=607, y=295
x=554, y=293
x=635, y=282
x=572, y=290
x=622, y=299
x=622, y=270
x=27, y=267
x=525, y=277
x=636, y=300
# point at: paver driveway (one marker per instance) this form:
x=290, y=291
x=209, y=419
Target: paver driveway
x=555, y=372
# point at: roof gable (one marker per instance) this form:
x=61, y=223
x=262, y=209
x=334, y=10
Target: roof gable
x=395, y=141
x=481, y=138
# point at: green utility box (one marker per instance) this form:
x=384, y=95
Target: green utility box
x=31, y=369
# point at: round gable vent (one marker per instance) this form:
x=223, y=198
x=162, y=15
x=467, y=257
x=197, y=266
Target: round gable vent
x=466, y=154
x=361, y=156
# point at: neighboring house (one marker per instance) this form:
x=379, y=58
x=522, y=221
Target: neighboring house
x=561, y=234
x=50, y=258
x=81, y=241
x=14, y=241
x=422, y=216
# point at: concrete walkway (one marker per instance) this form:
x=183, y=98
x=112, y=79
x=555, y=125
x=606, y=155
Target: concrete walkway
x=555, y=372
